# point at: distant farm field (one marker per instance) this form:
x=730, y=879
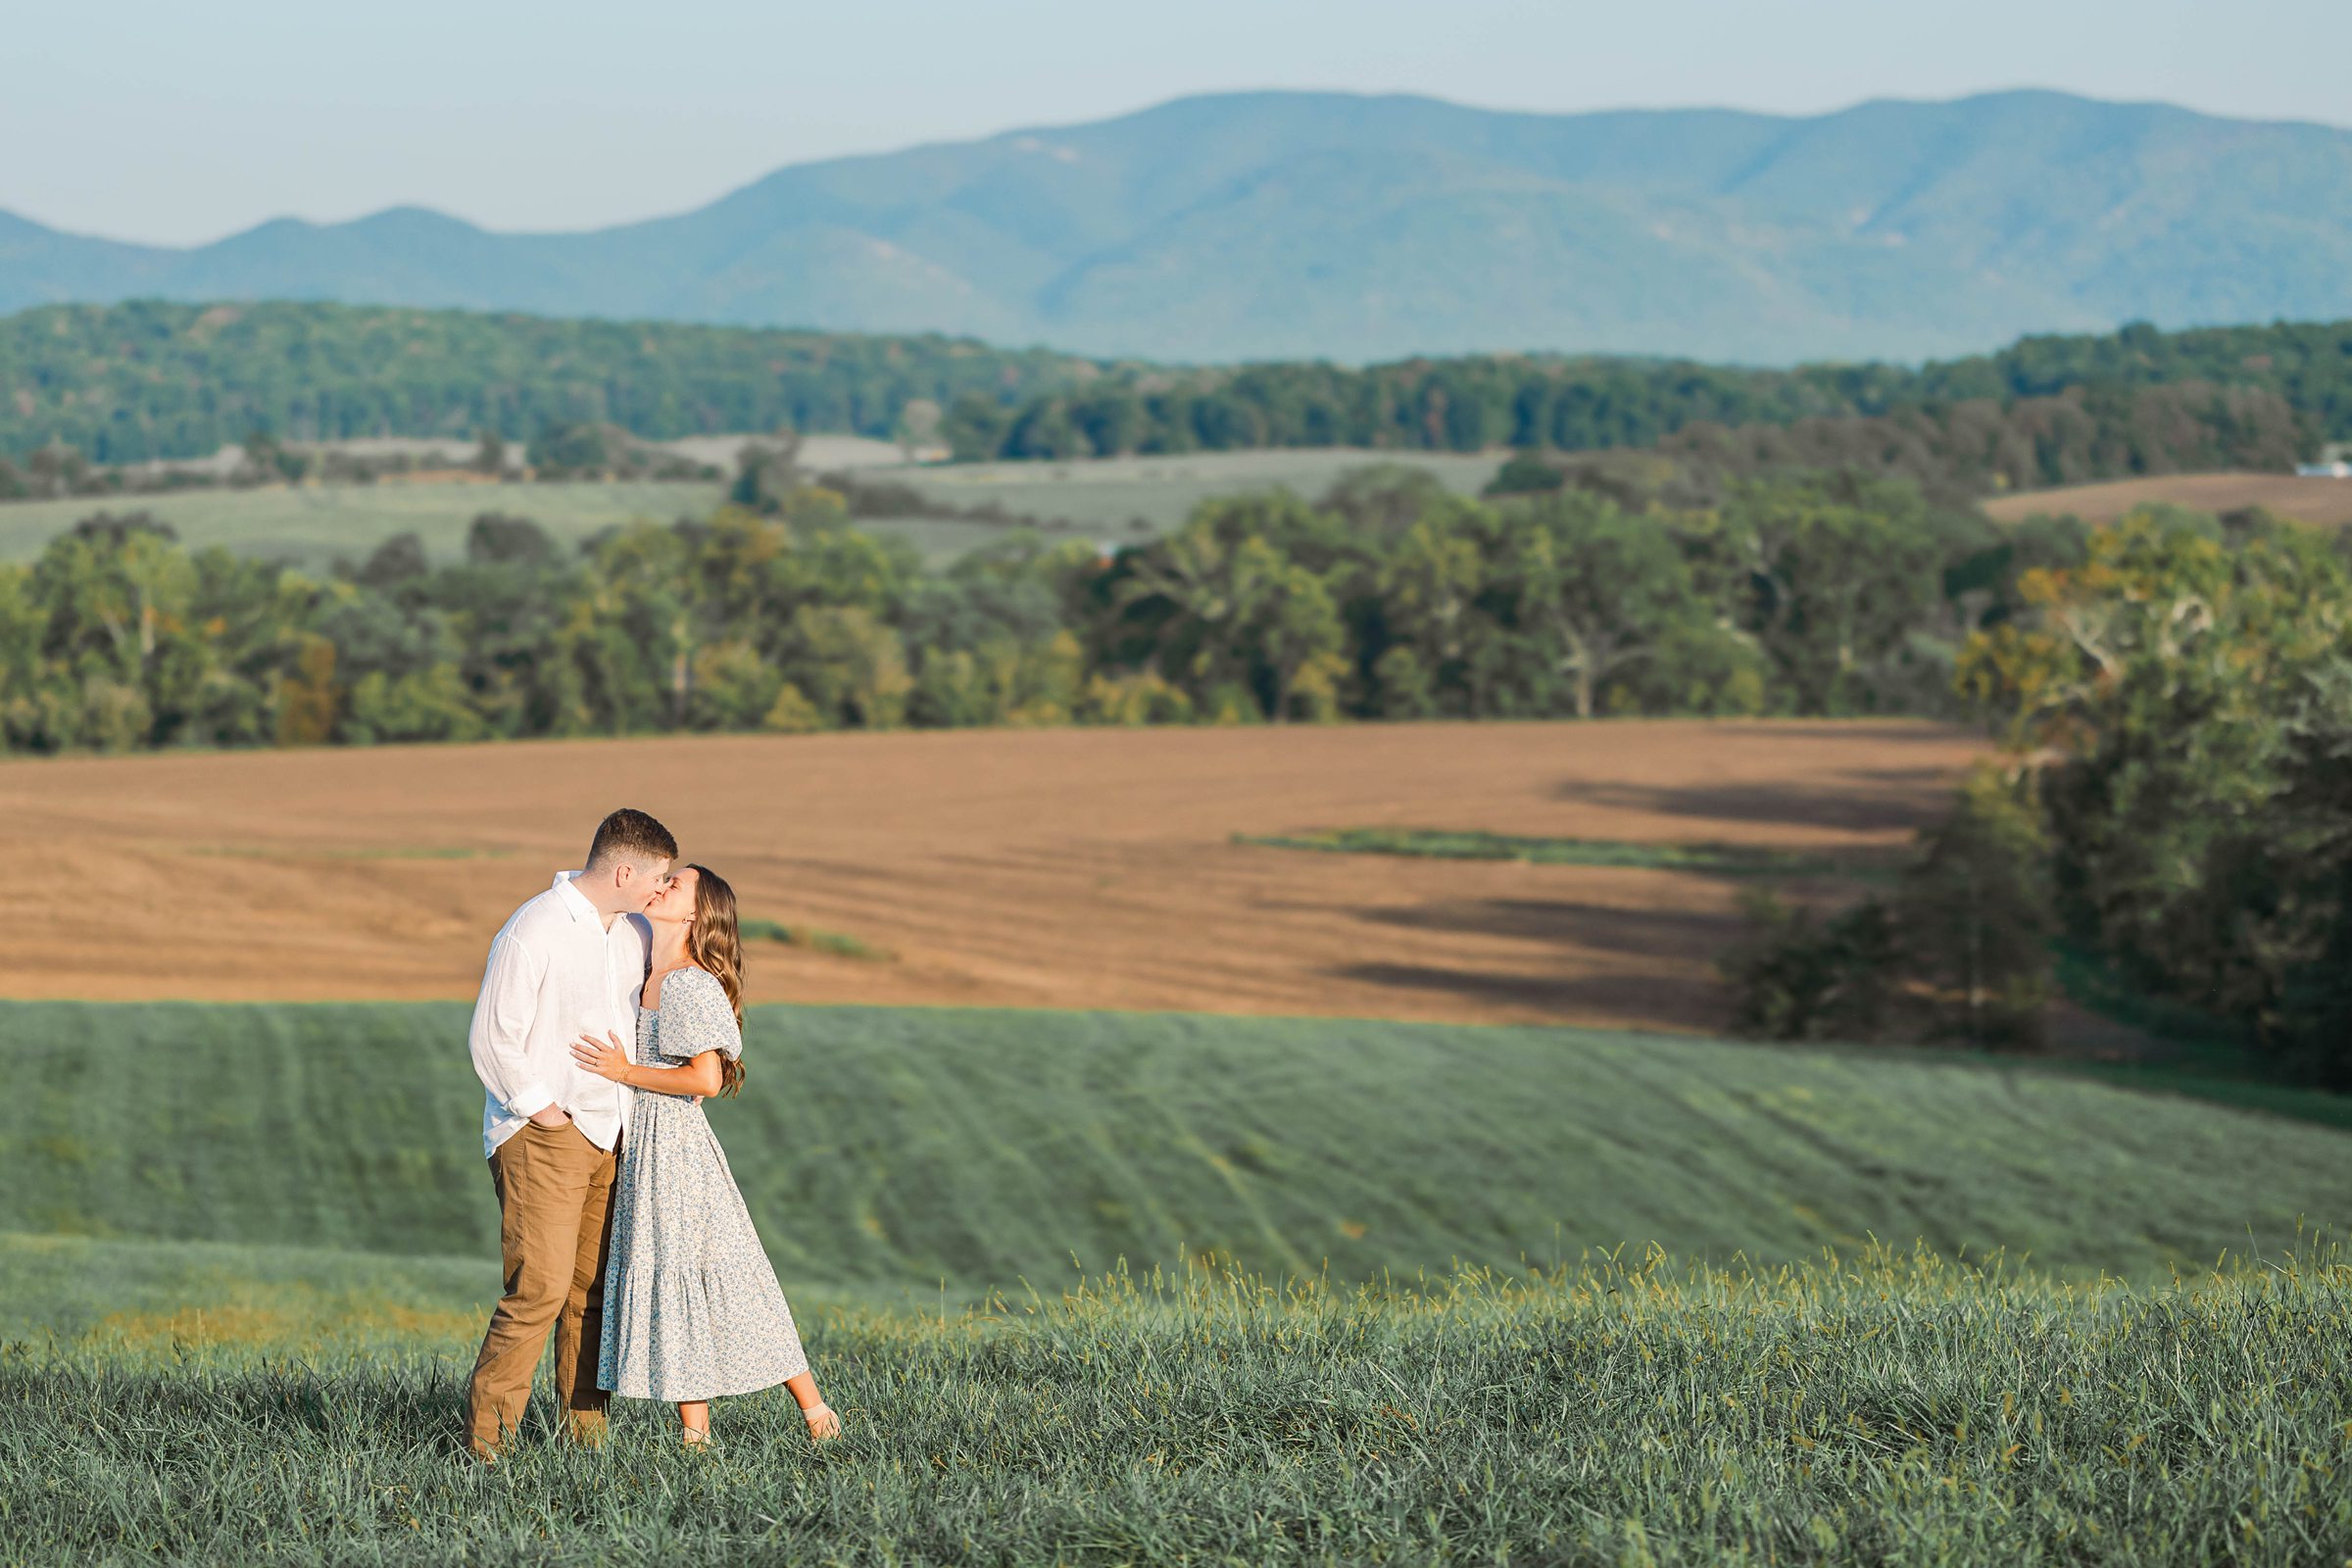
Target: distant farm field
x=1109, y=494
x=2326, y=503
x=314, y=524
x=1066, y=868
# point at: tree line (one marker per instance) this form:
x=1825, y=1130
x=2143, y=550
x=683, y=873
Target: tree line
x=2172, y=799
x=149, y=379
x=2046, y=412
x=152, y=380
x=1387, y=598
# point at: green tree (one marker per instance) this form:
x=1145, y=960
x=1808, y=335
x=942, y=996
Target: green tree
x=733, y=687
x=588, y=449
x=1380, y=501
x=489, y=451
x=1977, y=912
x=631, y=637
x=1526, y=474
x=1799, y=974
x=1432, y=587
x=2174, y=694
x=1833, y=576
x=1200, y=592
x=115, y=597
x=430, y=704
x=1300, y=644
x=1604, y=591
x=767, y=472
x=850, y=665
x=310, y=700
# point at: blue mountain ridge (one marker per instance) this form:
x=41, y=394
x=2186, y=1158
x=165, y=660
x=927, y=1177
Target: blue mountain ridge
x=1279, y=224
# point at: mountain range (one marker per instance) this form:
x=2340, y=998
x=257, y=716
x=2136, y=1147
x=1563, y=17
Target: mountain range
x=1287, y=224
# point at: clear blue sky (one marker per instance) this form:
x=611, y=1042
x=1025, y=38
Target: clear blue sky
x=172, y=121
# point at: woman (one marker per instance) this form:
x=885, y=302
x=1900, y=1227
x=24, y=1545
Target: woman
x=692, y=1308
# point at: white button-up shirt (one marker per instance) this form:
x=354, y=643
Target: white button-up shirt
x=556, y=972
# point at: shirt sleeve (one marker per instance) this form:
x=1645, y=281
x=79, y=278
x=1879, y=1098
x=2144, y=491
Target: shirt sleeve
x=502, y=1025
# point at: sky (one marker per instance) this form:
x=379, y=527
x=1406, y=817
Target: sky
x=177, y=124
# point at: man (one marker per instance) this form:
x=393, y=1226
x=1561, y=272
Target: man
x=570, y=963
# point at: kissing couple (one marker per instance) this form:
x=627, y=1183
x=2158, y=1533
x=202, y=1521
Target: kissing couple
x=611, y=1007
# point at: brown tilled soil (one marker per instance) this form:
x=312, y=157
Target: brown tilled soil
x=1066, y=868
x=2325, y=502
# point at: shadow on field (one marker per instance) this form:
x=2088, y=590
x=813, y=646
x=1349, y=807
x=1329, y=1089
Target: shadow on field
x=1626, y=1000
x=1596, y=984
x=1607, y=929
x=1898, y=732
x=1886, y=800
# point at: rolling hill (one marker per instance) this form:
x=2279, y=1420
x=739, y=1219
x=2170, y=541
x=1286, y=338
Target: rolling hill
x=893, y=1149
x=1259, y=224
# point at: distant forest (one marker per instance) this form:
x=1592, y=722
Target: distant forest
x=2046, y=410
x=128, y=383
x=146, y=380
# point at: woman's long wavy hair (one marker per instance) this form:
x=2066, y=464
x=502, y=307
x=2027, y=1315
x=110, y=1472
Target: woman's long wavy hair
x=714, y=943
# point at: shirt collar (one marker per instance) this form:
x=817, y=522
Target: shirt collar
x=575, y=903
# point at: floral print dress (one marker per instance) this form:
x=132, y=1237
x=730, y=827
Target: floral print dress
x=692, y=1307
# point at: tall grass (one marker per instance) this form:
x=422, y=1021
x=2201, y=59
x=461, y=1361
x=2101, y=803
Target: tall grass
x=1362, y=1348
x=1888, y=1408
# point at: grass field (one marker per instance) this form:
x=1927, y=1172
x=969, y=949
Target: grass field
x=314, y=524
x=1718, y=859
x=1114, y=501
x=1406, y=1305
x=1066, y=868
x=1108, y=494
x=185, y=1381
x=1883, y=1410
x=893, y=1149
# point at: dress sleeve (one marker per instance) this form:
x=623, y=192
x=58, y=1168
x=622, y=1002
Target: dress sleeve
x=695, y=1015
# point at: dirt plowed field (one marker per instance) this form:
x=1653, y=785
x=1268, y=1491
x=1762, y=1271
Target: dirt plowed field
x=2325, y=502
x=1068, y=868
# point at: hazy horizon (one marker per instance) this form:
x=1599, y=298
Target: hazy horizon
x=186, y=130
x=1042, y=126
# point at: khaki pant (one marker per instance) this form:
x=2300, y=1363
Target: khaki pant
x=554, y=1206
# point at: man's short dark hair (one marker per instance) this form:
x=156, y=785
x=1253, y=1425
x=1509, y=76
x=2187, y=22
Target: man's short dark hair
x=628, y=834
